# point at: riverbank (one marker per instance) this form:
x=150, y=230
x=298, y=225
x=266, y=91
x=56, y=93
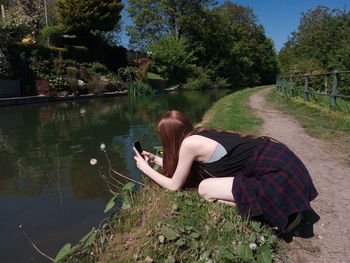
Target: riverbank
x=44, y=99
x=157, y=225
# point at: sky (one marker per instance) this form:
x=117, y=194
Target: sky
x=279, y=17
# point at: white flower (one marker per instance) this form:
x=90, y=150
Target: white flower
x=93, y=161
x=82, y=111
x=252, y=246
x=102, y=147
x=262, y=238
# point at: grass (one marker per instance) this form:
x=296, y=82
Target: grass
x=152, y=75
x=157, y=225
x=318, y=121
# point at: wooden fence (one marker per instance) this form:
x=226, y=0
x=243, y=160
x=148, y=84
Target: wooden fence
x=287, y=85
x=9, y=88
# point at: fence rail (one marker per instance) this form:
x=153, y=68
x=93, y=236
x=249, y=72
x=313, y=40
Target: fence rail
x=287, y=85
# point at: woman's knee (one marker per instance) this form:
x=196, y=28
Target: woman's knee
x=216, y=188
x=204, y=189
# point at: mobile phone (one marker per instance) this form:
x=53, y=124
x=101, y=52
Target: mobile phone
x=138, y=147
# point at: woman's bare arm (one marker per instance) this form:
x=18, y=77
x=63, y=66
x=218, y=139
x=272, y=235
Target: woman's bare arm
x=186, y=157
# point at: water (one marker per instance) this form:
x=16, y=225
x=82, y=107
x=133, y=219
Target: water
x=46, y=181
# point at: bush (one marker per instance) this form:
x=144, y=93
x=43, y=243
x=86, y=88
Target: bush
x=173, y=58
x=53, y=34
x=128, y=73
x=139, y=88
x=96, y=68
x=96, y=84
x=78, y=53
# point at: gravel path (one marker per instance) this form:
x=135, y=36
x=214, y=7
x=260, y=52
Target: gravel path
x=331, y=240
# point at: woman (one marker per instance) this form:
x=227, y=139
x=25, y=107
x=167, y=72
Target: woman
x=261, y=176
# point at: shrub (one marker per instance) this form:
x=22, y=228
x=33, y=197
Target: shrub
x=78, y=53
x=173, y=58
x=53, y=34
x=128, y=73
x=96, y=68
x=96, y=84
x=139, y=88
x=199, y=80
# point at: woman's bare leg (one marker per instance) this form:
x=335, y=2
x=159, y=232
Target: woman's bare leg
x=220, y=189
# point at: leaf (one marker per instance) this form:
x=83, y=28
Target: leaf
x=169, y=233
x=87, y=235
x=252, y=238
x=64, y=251
x=205, y=255
x=228, y=226
x=126, y=203
x=180, y=242
x=179, y=194
x=226, y=254
x=244, y=251
x=194, y=235
x=264, y=254
x=128, y=186
x=175, y=207
x=90, y=240
x=110, y=204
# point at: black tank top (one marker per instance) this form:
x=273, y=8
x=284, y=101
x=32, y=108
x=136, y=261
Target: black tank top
x=239, y=151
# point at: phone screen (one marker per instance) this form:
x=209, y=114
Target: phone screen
x=138, y=147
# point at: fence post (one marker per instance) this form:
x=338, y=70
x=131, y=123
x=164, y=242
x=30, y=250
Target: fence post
x=291, y=86
x=306, y=88
x=334, y=89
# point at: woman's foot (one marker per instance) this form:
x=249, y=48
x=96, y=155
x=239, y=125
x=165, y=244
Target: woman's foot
x=293, y=221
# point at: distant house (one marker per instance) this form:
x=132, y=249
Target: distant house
x=139, y=58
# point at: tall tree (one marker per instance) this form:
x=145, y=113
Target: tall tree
x=321, y=42
x=153, y=19
x=24, y=17
x=81, y=17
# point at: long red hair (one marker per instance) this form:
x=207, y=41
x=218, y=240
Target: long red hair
x=173, y=128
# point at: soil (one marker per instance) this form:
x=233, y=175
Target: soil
x=324, y=233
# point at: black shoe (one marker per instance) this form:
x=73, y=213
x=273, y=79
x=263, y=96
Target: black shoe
x=293, y=221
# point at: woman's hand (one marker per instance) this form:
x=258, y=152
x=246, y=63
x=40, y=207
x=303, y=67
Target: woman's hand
x=142, y=163
x=150, y=157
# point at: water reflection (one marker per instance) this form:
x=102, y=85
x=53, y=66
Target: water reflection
x=46, y=181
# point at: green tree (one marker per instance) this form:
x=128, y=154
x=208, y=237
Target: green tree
x=153, y=19
x=321, y=42
x=173, y=58
x=23, y=17
x=81, y=17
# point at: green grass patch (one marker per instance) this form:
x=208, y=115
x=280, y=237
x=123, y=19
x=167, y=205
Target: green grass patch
x=152, y=75
x=234, y=113
x=318, y=121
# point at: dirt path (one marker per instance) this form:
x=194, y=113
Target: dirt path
x=331, y=242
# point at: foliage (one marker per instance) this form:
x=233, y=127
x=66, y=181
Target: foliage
x=128, y=73
x=23, y=17
x=153, y=19
x=51, y=33
x=83, y=16
x=96, y=84
x=226, y=39
x=173, y=58
x=139, y=88
x=321, y=43
x=4, y=63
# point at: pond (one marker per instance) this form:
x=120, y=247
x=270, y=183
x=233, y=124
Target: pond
x=46, y=181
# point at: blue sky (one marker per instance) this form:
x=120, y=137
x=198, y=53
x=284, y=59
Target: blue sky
x=279, y=17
